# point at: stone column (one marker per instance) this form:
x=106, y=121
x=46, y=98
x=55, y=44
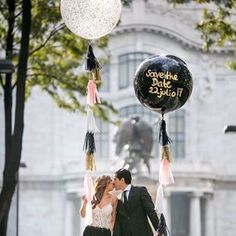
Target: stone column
x=210, y=225
x=69, y=214
x=195, y=214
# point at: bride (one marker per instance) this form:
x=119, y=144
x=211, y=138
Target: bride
x=103, y=208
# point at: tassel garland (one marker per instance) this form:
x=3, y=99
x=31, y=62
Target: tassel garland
x=165, y=172
x=165, y=176
x=93, y=66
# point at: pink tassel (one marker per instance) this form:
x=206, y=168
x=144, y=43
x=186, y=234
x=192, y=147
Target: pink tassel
x=93, y=95
x=165, y=173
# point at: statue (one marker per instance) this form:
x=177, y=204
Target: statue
x=135, y=137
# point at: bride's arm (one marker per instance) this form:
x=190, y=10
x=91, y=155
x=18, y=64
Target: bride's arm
x=83, y=207
x=113, y=216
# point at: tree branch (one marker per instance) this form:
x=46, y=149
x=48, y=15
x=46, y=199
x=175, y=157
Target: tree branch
x=41, y=74
x=60, y=27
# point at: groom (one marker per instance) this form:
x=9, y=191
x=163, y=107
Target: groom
x=133, y=208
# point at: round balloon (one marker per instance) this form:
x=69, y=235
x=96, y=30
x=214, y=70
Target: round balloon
x=91, y=19
x=163, y=83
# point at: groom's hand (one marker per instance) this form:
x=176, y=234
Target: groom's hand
x=157, y=233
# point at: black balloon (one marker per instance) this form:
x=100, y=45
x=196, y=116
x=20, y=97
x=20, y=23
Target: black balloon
x=163, y=83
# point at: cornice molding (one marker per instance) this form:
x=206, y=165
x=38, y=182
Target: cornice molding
x=177, y=37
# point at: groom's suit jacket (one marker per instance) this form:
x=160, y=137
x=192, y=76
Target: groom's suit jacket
x=131, y=218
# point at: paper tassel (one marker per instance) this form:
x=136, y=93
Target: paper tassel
x=163, y=137
x=91, y=124
x=165, y=173
x=92, y=64
x=89, y=143
x=165, y=176
x=92, y=96
x=90, y=161
x=163, y=229
x=89, y=191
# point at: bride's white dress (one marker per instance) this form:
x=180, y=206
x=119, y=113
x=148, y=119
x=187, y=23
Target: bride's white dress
x=102, y=216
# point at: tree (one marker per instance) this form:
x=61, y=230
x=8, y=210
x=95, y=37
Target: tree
x=217, y=27
x=46, y=54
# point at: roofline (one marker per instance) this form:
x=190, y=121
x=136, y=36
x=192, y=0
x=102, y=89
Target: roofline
x=155, y=29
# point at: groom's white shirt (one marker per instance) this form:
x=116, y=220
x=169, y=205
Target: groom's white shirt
x=127, y=189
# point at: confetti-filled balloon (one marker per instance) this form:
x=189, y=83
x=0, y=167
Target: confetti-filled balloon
x=91, y=19
x=163, y=83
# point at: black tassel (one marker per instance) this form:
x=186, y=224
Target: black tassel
x=92, y=63
x=89, y=143
x=163, y=229
x=163, y=137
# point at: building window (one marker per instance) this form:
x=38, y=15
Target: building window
x=180, y=205
x=128, y=64
x=147, y=116
x=177, y=133
x=105, y=74
x=102, y=139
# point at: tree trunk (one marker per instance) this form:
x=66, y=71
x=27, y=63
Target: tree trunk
x=8, y=103
x=12, y=158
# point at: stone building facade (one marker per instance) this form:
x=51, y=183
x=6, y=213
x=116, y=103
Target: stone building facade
x=202, y=202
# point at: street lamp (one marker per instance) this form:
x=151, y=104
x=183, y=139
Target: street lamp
x=6, y=67
x=22, y=165
x=230, y=129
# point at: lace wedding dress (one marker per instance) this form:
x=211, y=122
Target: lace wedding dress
x=101, y=222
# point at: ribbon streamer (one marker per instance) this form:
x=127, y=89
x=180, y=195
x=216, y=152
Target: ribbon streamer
x=89, y=192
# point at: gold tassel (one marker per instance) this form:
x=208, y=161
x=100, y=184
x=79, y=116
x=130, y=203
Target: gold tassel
x=90, y=162
x=165, y=153
x=96, y=75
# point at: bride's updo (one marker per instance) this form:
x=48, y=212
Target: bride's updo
x=100, y=185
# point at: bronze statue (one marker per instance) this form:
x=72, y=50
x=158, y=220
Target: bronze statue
x=136, y=137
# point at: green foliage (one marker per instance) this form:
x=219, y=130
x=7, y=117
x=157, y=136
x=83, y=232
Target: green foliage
x=217, y=27
x=56, y=58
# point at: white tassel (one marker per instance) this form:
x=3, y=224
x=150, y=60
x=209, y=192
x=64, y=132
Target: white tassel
x=159, y=199
x=91, y=123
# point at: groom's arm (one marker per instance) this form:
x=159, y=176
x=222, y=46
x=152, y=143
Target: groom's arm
x=149, y=207
x=116, y=231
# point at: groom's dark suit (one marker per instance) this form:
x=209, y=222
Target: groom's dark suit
x=131, y=218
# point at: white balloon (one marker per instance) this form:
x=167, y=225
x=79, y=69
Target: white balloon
x=91, y=19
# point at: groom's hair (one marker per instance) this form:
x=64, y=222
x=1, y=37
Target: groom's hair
x=123, y=173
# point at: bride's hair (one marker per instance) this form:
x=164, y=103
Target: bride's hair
x=100, y=185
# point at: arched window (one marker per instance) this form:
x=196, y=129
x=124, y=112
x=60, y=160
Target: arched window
x=128, y=64
x=105, y=73
x=176, y=127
